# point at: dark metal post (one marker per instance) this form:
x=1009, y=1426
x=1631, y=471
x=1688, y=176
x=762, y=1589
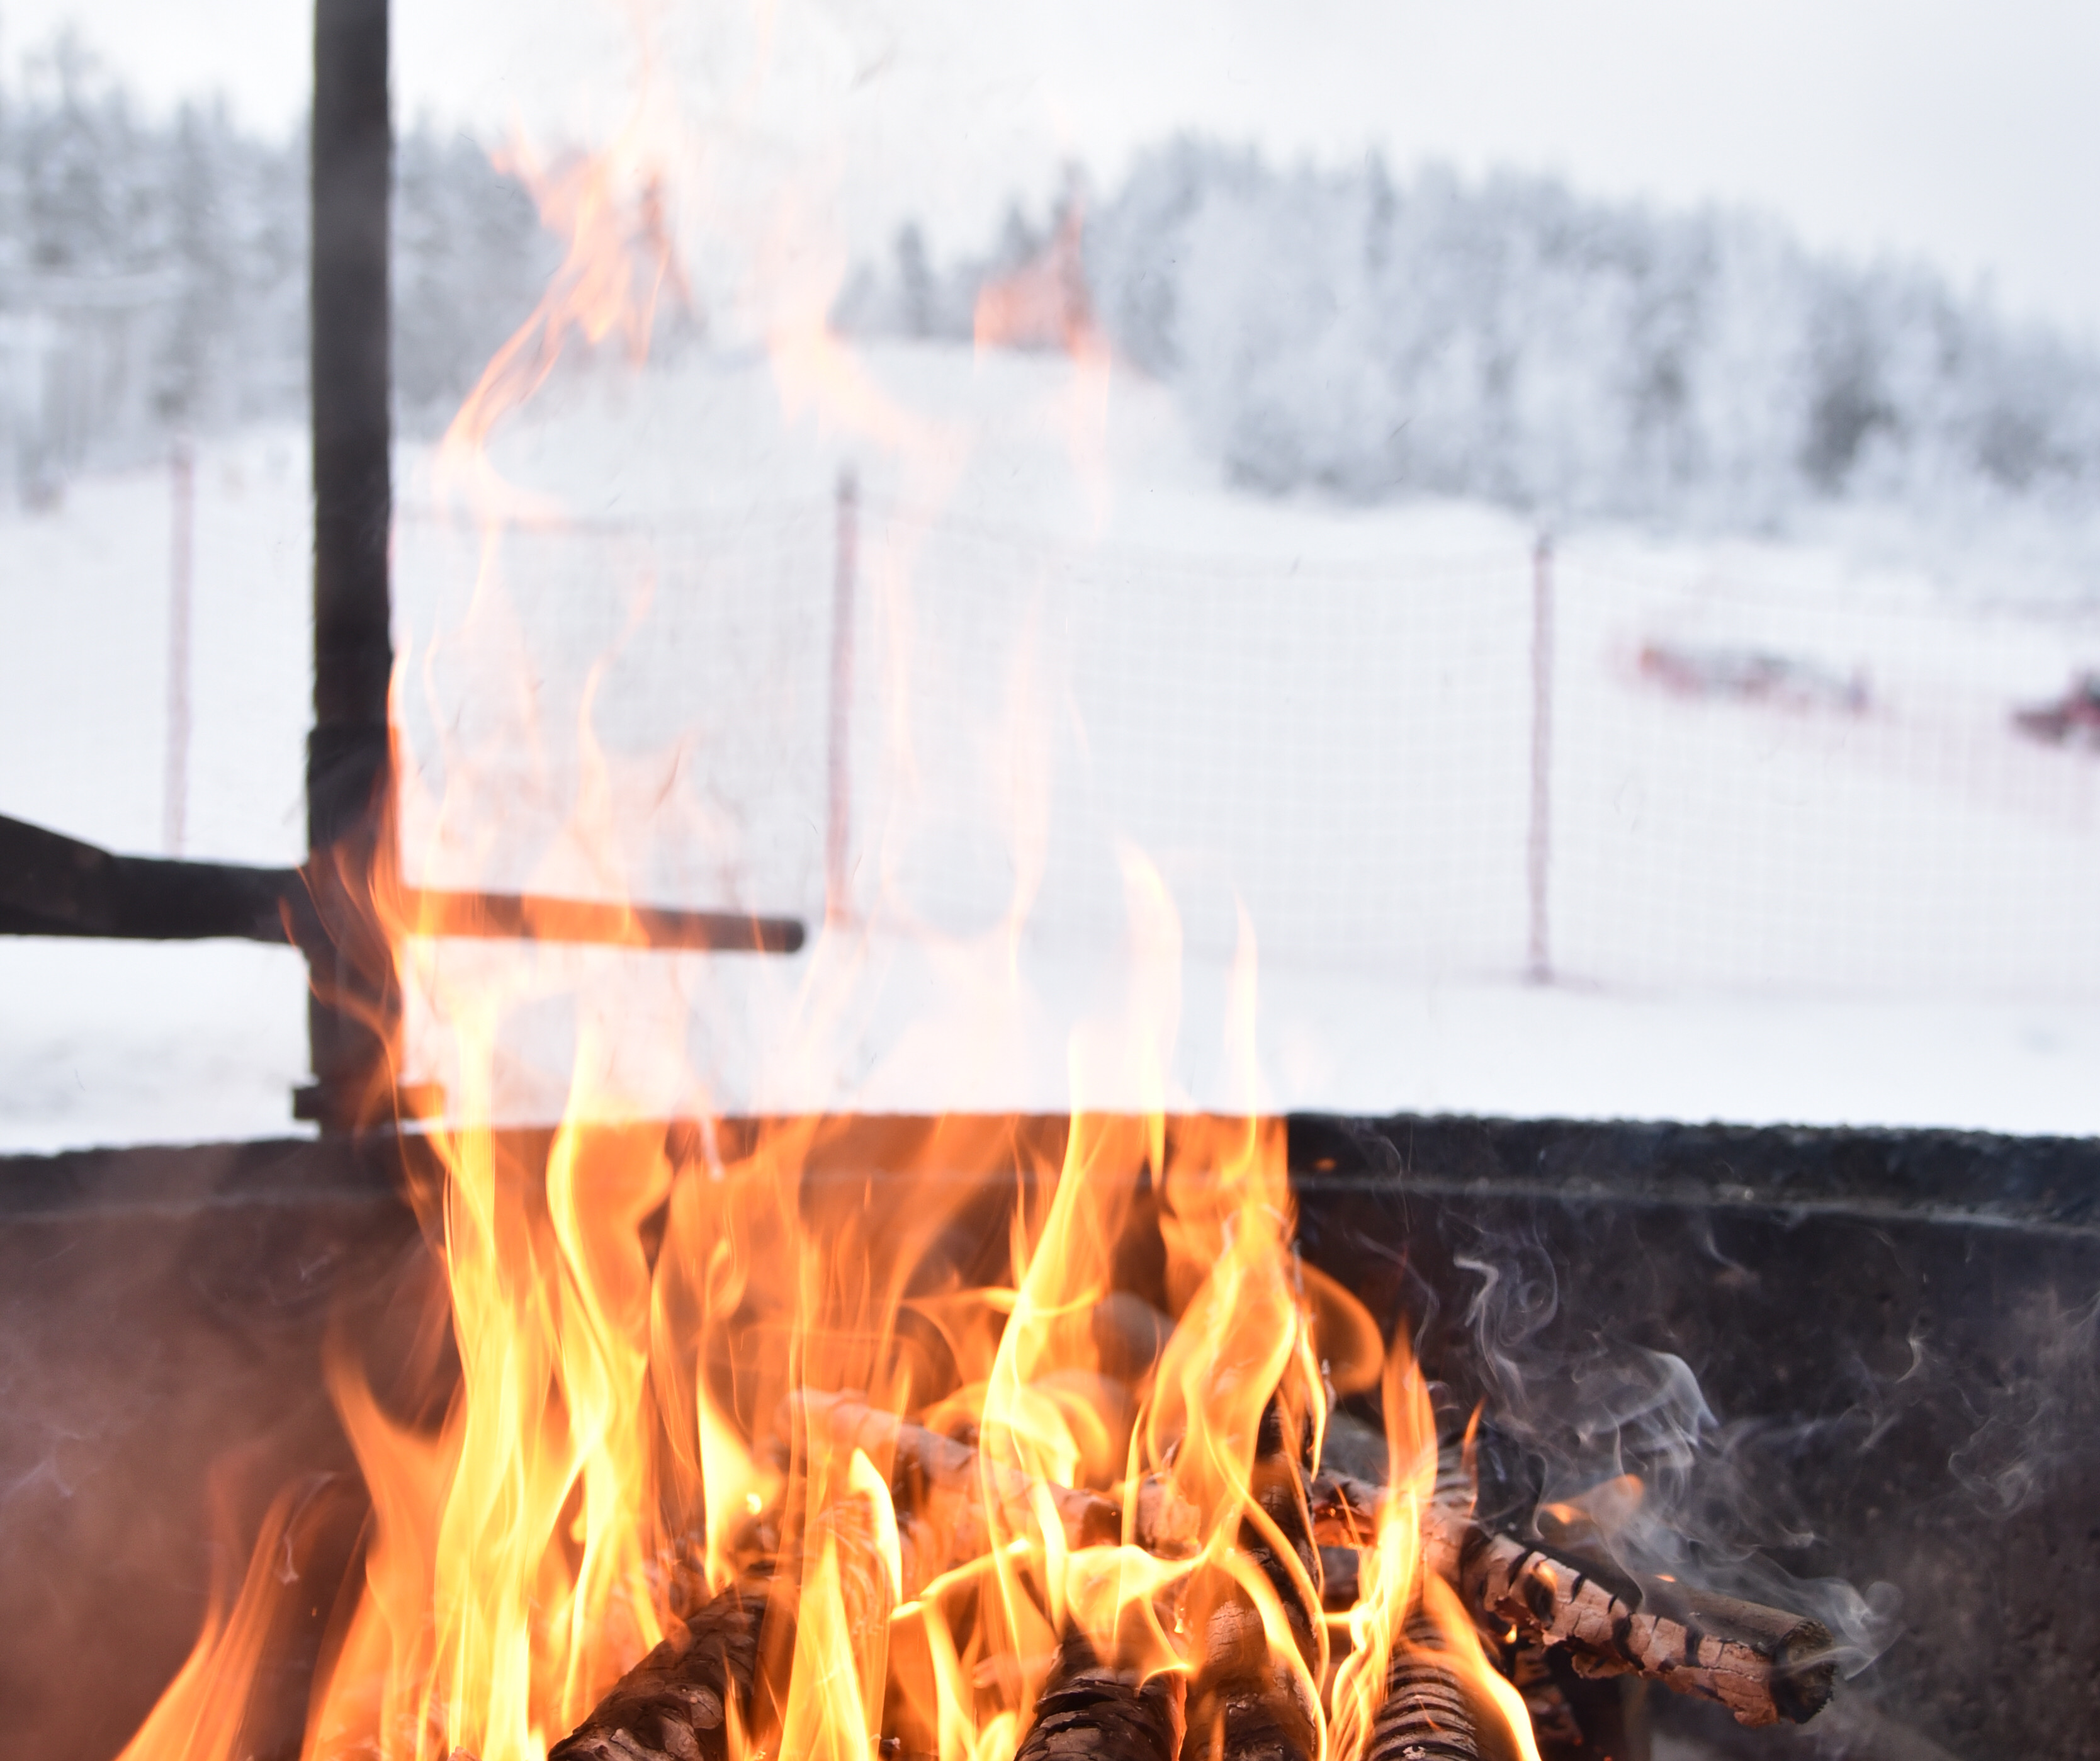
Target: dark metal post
x=355, y=1006
x=54, y=885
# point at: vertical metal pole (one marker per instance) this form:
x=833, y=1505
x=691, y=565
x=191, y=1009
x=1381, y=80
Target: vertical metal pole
x=182, y=528
x=355, y=1007
x=838, y=825
x=1539, y=850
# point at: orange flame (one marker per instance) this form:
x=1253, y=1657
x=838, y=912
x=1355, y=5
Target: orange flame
x=603, y=1421
x=1044, y=302
x=1394, y=1586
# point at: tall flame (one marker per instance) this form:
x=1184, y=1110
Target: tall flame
x=606, y=1415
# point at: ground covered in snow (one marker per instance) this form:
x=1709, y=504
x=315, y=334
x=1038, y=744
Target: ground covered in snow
x=1112, y=725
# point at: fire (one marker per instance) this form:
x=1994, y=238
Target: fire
x=1017, y=1398
x=1044, y=303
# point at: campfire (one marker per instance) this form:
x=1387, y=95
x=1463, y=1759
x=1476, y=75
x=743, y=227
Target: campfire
x=743, y=1455
x=703, y=1448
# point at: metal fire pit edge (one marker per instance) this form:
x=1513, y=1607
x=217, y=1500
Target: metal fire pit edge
x=1894, y=1332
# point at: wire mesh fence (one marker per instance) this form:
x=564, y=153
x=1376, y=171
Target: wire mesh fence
x=1743, y=789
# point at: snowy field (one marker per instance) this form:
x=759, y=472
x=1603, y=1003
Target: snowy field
x=1104, y=710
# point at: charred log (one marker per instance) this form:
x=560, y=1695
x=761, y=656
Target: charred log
x=1554, y=1723
x=1765, y=1665
x=1249, y=1718
x=1245, y=1704
x=1427, y=1715
x=945, y=1480
x=676, y=1704
x=1091, y=1711
x=1578, y=1717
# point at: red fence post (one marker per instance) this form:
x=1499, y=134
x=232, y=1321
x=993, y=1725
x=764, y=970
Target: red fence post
x=1539, y=848
x=838, y=825
x=182, y=532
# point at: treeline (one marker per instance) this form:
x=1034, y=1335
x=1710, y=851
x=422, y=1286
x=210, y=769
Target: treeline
x=1339, y=328
x=1506, y=338
x=153, y=269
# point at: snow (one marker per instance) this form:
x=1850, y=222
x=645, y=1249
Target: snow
x=1073, y=644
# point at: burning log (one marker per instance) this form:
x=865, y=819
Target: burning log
x=1553, y=1717
x=1763, y=1664
x=1089, y=1711
x=1253, y=1716
x=1427, y=1714
x=676, y=1704
x=1256, y=1708
x=1246, y=1704
x=945, y=1481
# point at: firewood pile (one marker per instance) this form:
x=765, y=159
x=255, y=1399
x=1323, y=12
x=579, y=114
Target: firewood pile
x=1236, y=1687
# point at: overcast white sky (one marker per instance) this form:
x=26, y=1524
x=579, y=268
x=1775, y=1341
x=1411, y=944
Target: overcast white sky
x=1966, y=133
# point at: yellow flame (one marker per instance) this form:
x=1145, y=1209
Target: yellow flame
x=593, y=1426
x=1390, y=1574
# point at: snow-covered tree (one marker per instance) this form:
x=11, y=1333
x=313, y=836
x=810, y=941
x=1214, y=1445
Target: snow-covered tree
x=1506, y=338
x=153, y=270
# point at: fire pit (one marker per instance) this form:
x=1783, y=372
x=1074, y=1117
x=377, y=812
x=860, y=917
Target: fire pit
x=1141, y=1436
x=1887, y=1326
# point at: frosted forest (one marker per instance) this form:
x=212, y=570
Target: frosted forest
x=153, y=272
x=1339, y=329
x=1509, y=339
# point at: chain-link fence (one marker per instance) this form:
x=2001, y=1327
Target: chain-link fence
x=1742, y=788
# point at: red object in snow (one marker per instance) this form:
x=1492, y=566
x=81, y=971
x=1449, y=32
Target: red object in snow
x=1752, y=675
x=2072, y=720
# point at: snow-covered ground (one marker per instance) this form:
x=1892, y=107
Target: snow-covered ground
x=1073, y=645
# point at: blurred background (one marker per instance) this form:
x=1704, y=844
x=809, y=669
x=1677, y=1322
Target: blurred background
x=1580, y=536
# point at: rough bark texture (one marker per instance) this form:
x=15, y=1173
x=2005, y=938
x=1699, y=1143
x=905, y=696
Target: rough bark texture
x=1245, y=1704
x=1089, y=1711
x=674, y=1705
x=1428, y=1714
x=943, y=1480
x=1764, y=1665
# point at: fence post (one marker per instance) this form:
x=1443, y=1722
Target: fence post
x=1539, y=848
x=181, y=529
x=838, y=825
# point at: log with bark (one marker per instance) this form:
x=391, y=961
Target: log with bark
x=1091, y=1711
x=1245, y=1704
x=1763, y=1664
x=1542, y=1604
x=946, y=1482
x=1427, y=1714
x=676, y=1704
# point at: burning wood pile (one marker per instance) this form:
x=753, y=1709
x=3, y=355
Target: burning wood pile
x=1414, y=1667
x=698, y=1451
x=1086, y=1507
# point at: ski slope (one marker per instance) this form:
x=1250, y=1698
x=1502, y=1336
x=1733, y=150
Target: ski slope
x=1113, y=722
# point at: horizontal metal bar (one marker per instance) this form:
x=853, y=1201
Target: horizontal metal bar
x=529, y=917
x=54, y=885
